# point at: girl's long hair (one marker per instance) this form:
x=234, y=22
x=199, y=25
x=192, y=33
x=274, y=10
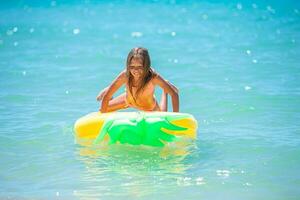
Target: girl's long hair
x=148, y=73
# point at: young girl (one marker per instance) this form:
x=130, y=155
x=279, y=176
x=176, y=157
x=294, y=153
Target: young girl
x=140, y=81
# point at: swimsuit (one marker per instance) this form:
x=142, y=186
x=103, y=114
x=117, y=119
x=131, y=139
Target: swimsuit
x=146, y=100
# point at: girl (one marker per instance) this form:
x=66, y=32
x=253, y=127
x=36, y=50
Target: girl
x=140, y=81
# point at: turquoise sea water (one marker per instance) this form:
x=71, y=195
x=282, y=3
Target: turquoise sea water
x=236, y=64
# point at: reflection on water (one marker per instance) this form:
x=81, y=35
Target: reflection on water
x=133, y=171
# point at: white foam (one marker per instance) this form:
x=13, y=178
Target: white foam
x=200, y=181
x=136, y=34
x=76, y=31
x=247, y=184
x=239, y=6
x=223, y=173
x=247, y=88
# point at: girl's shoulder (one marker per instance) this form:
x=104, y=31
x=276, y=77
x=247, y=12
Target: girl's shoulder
x=155, y=75
x=122, y=75
x=120, y=79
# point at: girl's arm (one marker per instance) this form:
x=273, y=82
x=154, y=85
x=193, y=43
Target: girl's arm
x=168, y=88
x=114, y=86
x=101, y=94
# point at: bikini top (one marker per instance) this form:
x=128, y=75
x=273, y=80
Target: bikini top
x=146, y=99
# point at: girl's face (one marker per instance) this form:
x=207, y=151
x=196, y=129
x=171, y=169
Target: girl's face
x=136, y=68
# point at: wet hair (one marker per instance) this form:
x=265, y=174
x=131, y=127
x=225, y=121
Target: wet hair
x=142, y=54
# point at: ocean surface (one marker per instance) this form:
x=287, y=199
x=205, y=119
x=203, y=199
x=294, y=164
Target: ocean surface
x=236, y=64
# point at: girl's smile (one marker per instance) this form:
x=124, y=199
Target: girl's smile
x=136, y=68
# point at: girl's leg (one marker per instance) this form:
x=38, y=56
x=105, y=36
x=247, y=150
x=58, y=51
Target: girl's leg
x=117, y=103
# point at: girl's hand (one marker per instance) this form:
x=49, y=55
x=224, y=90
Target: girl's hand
x=99, y=97
x=110, y=90
x=101, y=94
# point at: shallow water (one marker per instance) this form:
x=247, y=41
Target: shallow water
x=236, y=64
